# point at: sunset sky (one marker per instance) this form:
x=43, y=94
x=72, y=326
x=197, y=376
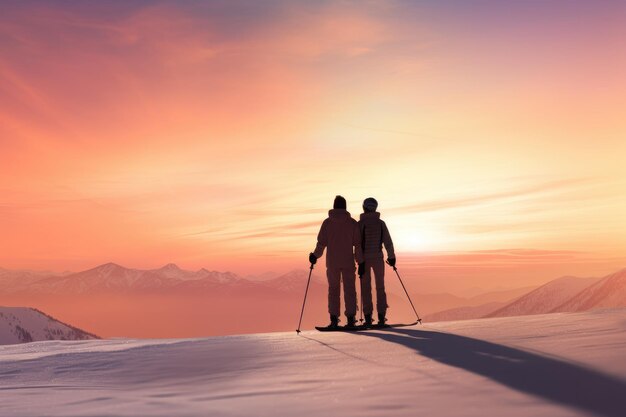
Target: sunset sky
x=216, y=134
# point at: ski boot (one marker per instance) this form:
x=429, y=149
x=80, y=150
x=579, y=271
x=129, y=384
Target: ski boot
x=368, y=320
x=351, y=323
x=334, y=322
x=382, y=320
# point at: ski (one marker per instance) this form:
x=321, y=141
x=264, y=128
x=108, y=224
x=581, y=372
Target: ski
x=340, y=328
x=363, y=327
x=386, y=326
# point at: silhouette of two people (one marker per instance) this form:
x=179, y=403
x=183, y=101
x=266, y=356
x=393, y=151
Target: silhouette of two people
x=349, y=243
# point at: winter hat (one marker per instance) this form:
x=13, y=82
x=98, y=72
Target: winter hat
x=370, y=204
x=339, y=203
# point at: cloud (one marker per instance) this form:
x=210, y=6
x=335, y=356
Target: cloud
x=495, y=258
x=530, y=191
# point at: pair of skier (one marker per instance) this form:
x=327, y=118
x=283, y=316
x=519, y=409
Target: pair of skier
x=348, y=241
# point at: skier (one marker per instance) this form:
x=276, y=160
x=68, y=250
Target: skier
x=374, y=234
x=340, y=234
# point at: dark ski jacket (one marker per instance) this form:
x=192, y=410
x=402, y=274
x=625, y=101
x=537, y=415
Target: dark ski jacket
x=374, y=234
x=340, y=234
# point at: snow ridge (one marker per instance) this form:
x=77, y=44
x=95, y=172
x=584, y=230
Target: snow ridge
x=24, y=325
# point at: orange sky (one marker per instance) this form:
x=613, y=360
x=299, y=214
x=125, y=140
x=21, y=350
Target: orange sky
x=217, y=134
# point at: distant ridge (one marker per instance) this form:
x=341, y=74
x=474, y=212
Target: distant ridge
x=464, y=313
x=545, y=298
x=565, y=294
x=606, y=293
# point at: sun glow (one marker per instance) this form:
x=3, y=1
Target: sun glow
x=195, y=133
x=409, y=238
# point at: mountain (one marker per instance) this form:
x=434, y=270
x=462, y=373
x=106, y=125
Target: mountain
x=294, y=280
x=114, y=278
x=608, y=292
x=171, y=271
x=23, y=325
x=18, y=280
x=106, y=278
x=479, y=305
x=545, y=298
x=502, y=296
x=172, y=302
x=169, y=301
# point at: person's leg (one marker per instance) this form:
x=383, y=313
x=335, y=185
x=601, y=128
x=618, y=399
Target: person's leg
x=349, y=290
x=334, y=291
x=378, y=266
x=366, y=289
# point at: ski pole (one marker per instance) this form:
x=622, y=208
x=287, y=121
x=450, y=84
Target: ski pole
x=361, y=289
x=407, y=293
x=304, y=302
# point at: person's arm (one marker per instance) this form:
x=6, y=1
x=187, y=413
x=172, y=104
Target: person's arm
x=388, y=243
x=322, y=241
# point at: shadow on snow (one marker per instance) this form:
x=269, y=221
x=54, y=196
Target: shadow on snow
x=549, y=378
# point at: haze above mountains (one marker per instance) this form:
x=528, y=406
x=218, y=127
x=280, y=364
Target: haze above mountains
x=112, y=300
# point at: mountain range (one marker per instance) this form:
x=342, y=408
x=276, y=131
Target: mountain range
x=113, y=300
x=565, y=294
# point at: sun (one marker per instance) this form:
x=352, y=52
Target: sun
x=412, y=239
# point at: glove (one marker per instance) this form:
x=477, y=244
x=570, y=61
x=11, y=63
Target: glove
x=391, y=262
x=361, y=269
x=312, y=258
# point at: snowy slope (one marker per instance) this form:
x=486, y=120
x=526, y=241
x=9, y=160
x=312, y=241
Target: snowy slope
x=606, y=293
x=22, y=325
x=554, y=365
x=545, y=298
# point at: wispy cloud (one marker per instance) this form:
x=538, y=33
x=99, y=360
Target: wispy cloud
x=530, y=191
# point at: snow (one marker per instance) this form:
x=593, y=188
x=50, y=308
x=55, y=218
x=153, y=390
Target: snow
x=546, y=298
x=608, y=292
x=22, y=324
x=556, y=365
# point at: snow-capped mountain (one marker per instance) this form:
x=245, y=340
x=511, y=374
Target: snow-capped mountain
x=565, y=294
x=23, y=325
x=171, y=271
x=293, y=280
x=114, y=278
x=109, y=277
x=545, y=298
x=608, y=292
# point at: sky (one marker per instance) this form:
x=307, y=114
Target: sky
x=216, y=134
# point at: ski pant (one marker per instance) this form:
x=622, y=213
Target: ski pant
x=335, y=277
x=378, y=266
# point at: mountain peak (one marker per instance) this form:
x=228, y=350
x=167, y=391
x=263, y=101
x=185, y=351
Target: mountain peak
x=170, y=267
x=109, y=266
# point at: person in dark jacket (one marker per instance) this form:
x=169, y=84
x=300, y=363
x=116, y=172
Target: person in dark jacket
x=340, y=234
x=374, y=234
